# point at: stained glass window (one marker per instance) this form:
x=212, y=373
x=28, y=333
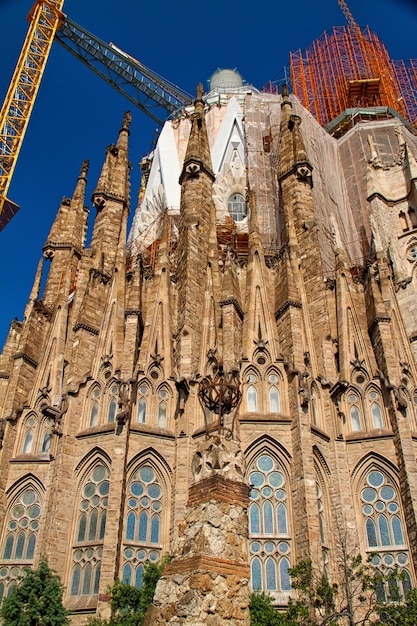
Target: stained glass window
x=22, y=525
x=383, y=529
x=268, y=525
x=91, y=524
x=145, y=503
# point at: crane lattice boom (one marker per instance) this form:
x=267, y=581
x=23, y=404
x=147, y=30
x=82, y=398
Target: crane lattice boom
x=45, y=19
x=348, y=15
x=153, y=94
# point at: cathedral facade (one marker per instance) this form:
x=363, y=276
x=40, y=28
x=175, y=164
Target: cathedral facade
x=264, y=248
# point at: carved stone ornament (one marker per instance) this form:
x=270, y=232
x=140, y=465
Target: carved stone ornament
x=218, y=455
x=124, y=403
x=55, y=414
x=193, y=168
x=303, y=389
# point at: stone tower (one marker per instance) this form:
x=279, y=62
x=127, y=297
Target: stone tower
x=263, y=251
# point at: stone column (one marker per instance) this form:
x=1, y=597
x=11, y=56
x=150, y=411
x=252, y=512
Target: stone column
x=207, y=582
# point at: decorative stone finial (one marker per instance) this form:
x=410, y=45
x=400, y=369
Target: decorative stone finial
x=127, y=120
x=200, y=92
x=284, y=91
x=84, y=168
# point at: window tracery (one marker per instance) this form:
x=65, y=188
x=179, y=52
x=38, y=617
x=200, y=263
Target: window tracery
x=270, y=540
x=383, y=526
x=112, y=407
x=89, y=534
x=142, y=407
x=365, y=409
x=145, y=505
x=36, y=436
x=20, y=536
x=94, y=406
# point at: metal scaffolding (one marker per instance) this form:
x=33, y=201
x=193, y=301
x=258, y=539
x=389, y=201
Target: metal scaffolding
x=350, y=67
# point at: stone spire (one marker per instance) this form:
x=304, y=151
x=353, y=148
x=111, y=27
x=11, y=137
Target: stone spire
x=196, y=240
x=197, y=157
x=66, y=240
x=70, y=224
x=111, y=200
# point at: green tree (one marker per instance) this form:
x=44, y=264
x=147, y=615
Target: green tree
x=404, y=614
x=129, y=604
x=36, y=600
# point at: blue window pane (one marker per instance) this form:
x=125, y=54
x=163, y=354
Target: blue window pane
x=254, y=519
x=380, y=591
x=155, y=529
x=19, y=546
x=282, y=519
x=75, y=587
x=82, y=525
x=383, y=531
x=406, y=581
x=87, y=580
x=7, y=554
x=142, y=411
x=92, y=532
x=397, y=531
x=139, y=577
x=1, y=591
x=30, y=550
x=46, y=443
x=162, y=414
x=102, y=525
x=256, y=574
x=111, y=415
x=143, y=526
x=284, y=575
x=274, y=400
x=376, y=416
x=127, y=574
x=322, y=532
x=27, y=446
x=94, y=414
x=268, y=518
x=130, y=526
x=97, y=578
x=271, y=574
x=371, y=533
x=355, y=418
x=252, y=399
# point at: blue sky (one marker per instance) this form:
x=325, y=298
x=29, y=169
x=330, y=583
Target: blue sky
x=77, y=115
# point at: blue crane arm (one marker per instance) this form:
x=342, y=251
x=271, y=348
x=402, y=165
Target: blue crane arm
x=154, y=95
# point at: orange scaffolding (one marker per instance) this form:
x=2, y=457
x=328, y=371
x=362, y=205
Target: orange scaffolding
x=348, y=68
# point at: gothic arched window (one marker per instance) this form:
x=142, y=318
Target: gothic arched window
x=112, y=410
x=162, y=408
x=142, y=404
x=269, y=532
x=94, y=406
x=354, y=412
x=89, y=534
x=19, y=542
x=376, y=412
x=145, y=502
x=274, y=395
x=252, y=395
x=381, y=510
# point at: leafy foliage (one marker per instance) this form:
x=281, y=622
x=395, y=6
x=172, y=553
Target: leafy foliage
x=36, y=601
x=404, y=614
x=129, y=604
x=262, y=613
x=351, y=603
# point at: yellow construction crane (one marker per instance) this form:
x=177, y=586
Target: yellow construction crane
x=45, y=18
